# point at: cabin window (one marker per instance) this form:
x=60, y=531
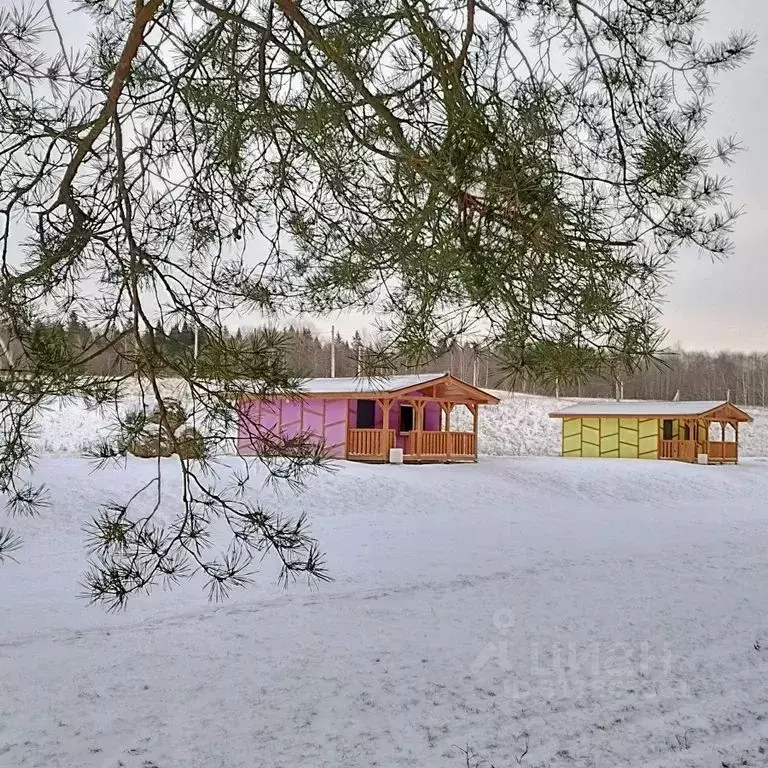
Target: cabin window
x=406, y=418
x=366, y=414
x=686, y=432
x=668, y=427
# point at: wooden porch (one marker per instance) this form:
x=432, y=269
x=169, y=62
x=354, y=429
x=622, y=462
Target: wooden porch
x=418, y=421
x=420, y=446
x=693, y=440
x=688, y=450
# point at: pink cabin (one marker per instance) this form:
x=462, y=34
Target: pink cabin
x=362, y=419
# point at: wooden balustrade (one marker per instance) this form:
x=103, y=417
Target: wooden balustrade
x=459, y=444
x=463, y=443
x=688, y=450
x=684, y=450
x=722, y=451
x=370, y=443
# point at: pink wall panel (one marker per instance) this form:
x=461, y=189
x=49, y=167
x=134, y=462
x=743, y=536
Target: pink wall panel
x=313, y=416
x=249, y=419
x=270, y=415
x=432, y=417
x=336, y=427
x=327, y=419
x=290, y=418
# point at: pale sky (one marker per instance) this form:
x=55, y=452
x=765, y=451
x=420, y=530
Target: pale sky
x=709, y=305
x=725, y=304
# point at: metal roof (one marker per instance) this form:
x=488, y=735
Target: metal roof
x=644, y=408
x=363, y=384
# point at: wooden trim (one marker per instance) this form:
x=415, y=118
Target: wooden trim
x=385, y=407
x=346, y=431
x=447, y=408
x=484, y=397
x=418, y=426
x=325, y=424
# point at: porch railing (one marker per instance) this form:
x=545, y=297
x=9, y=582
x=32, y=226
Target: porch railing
x=452, y=444
x=720, y=451
x=370, y=442
x=684, y=450
x=688, y=450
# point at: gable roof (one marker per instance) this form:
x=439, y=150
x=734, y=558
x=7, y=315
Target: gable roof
x=365, y=384
x=651, y=409
x=364, y=387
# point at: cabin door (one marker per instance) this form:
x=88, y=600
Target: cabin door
x=405, y=427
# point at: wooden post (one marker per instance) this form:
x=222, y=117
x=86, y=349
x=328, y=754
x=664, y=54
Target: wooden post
x=385, y=406
x=418, y=425
x=448, y=407
x=475, y=422
x=736, y=430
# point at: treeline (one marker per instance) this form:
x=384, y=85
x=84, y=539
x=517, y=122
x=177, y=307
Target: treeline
x=687, y=375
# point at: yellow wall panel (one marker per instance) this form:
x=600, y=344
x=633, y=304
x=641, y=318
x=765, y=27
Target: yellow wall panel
x=628, y=438
x=628, y=451
x=590, y=424
x=571, y=442
x=609, y=426
x=572, y=445
x=590, y=437
x=609, y=437
x=571, y=427
x=648, y=439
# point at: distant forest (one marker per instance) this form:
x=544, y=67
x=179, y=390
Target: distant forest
x=688, y=375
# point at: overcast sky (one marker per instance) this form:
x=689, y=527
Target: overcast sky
x=724, y=305
x=709, y=305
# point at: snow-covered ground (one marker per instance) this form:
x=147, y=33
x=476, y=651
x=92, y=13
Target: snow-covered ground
x=519, y=426
x=606, y=613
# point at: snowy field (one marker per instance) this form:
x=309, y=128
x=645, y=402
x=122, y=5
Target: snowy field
x=606, y=613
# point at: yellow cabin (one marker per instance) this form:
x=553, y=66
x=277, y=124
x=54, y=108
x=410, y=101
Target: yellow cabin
x=682, y=431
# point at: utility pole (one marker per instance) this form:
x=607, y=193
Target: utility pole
x=333, y=352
